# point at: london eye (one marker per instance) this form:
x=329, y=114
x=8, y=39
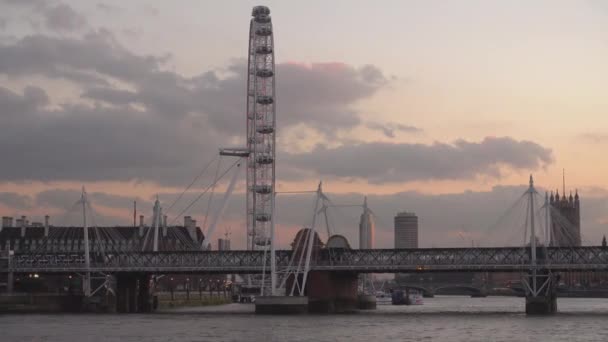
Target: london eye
x=261, y=130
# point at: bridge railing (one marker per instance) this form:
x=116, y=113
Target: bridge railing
x=207, y=261
x=374, y=260
x=419, y=259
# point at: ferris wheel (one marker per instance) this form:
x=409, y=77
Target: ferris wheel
x=261, y=130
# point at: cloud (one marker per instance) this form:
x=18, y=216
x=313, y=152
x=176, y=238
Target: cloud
x=23, y=3
x=389, y=128
x=107, y=7
x=65, y=199
x=91, y=59
x=595, y=138
x=380, y=162
x=84, y=143
x=445, y=220
x=320, y=96
x=62, y=17
x=58, y=17
x=150, y=10
x=150, y=127
x=15, y=201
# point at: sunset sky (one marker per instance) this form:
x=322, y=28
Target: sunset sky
x=439, y=107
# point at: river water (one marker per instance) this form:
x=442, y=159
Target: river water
x=444, y=318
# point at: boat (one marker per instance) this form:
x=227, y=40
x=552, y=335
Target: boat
x=383, y=298
x=406, y=297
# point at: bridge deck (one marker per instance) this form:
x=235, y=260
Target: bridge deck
x=503, y=259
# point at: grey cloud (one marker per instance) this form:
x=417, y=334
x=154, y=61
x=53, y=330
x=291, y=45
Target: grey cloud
x=95, y=143
x=65, y=199
x=111, y=95
x=58, y=198
x=161, y=134
x=58, y=17
x=150, y=10
x=107, y=7
x=3, y=23
x=384, y=162
x=131, y=33
x=12, y=104
x=120, y=202
x=23, y=3
x=62, y=17
x=476, y=215
x=389, y=128
x=319, y=95
x=15, y=201
x=97, y=53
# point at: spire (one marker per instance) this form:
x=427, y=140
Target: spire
x=365, y=203
x=564, y=182
x=551, y=197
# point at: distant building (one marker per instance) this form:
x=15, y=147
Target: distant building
x=367, y=228
x=223, y=244
x=566, y=220
x=7, y=222
x=406, y=230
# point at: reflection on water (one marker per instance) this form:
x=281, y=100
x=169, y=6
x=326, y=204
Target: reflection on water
x=443, y=318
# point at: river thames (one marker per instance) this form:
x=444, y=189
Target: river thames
x=444, y=318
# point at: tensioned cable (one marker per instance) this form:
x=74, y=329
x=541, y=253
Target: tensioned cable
x=191, y=183
x=219, y=163
x=205, y=191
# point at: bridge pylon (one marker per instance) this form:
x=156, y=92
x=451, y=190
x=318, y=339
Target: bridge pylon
x=539, y=282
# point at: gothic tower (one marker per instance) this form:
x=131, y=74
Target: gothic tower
x=565, y=219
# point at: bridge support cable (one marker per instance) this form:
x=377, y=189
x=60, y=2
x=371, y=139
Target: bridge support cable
x=215, y=181
x=210, y=200
x=311, y=239
x=225, y=201
x=491, y=230
x=294, y=265
x=192, y=183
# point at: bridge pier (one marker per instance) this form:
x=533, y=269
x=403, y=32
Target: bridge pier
x=10, y=282
x=144, y=298
x=366, y=302
x=125, y=293
x=541, y=305
x=332, y=292
x=541, y=294
x=133, y=293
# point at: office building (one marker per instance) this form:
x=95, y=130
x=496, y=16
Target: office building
x=406, y=230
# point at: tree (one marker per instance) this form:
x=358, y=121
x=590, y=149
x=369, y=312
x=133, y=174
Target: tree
x=604, y=244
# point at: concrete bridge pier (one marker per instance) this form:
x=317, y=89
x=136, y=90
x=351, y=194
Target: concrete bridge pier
x=10, y=282
x=144, y=296
x=544, y=302
x=126, y=289
x=541, y=305
x=366, y=302
x=332, y=292
x=133, y=293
